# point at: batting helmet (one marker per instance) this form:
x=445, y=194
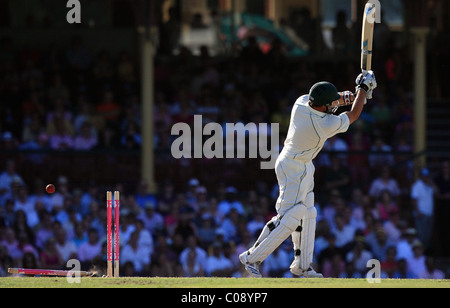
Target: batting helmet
x=323, y=94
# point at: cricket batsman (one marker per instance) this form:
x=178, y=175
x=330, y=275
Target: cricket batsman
x=312, y=123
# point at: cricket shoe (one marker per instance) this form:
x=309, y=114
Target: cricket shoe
x=309, y=273
x=253, y=268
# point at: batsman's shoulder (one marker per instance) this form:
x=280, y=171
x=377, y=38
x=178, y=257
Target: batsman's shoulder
x=339, y=123
x=303, y=100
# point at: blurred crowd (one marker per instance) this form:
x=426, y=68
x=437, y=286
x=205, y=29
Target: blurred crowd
x=64, y=98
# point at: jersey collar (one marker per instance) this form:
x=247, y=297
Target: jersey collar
x=316, y=112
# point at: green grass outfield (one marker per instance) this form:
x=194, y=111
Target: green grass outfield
x=50, y=282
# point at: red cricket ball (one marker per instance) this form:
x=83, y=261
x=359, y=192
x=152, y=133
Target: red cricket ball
x=50, y=188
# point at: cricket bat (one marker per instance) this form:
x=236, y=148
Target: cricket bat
x=367, y=37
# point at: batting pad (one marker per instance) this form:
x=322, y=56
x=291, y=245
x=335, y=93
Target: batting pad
x=288, y=224
x=307, y=242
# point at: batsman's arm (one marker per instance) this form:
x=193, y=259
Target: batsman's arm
x=347, y=98
x=357, y=106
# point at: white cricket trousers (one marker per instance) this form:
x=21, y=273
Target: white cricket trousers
x=296, y=181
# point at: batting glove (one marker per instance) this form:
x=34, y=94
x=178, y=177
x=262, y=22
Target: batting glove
x=367, y=82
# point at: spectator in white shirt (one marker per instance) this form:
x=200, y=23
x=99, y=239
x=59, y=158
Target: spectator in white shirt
x=384, y=182
x=217, y=265
x=153, y=221
x=138, y=254
x=66, y=248
x=193, y=258
x=344, y=233
x=416, y=263
x=422, y=195
x=24, y=203
x=404, y=246
x=145, y=237
x=359, y=255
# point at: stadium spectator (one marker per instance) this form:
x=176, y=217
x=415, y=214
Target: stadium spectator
x=192, y=267
x=334, y=266
x=403, y=272
x=152, y=219
x=136, y=252
x=44, y=230
x=393, y=227
x=385, y=205
x=50, y=257
x=108, y=109
x=359, y=255
x=422, y=198
x=350, y=272
x=380, y=245
x=143, y=198
x=382, y=154
x=193, y=259
x=257, y=223
x=185, y=226
x=145, y=238
x=217, y=265
x=7, y=177
x=333, y=206
x=230, y=226
x=357, y=204
x=66, y=248
x=431, y=272
x=229, y=203
x=416, y=263
x=390, y=264
x=90, y=250
x=322, y=235
x=337, y=177
x=344, y=232
x=334, y=144
x=404, y=246
x=79, y=234
x=277, y=264
x=11, y=244
x=206, y=230
x=85, y=140
x=384, y=182
x=165, y=198
x=87, y=197
x=327, y=254
x=164, y=267
x=24, y=203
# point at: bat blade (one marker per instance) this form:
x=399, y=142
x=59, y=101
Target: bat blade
x=367, y=36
